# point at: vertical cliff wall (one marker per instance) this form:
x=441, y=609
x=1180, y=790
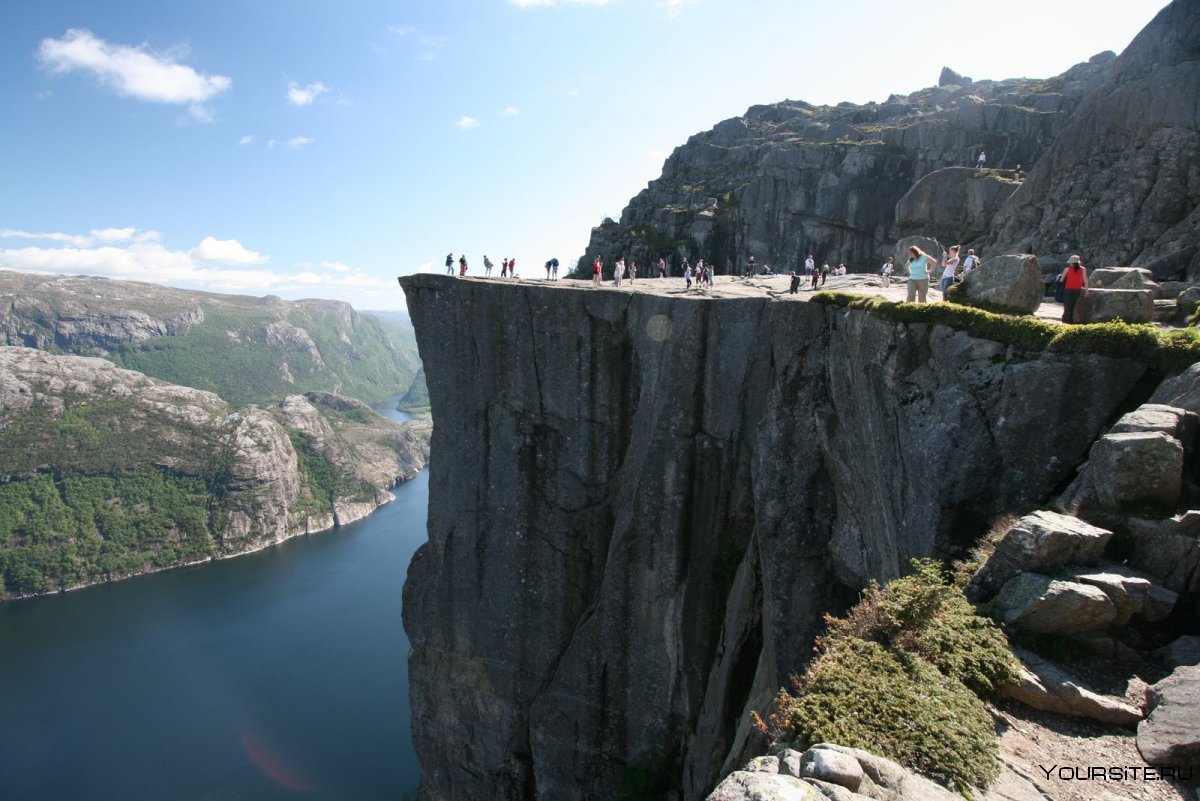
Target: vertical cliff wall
x=642, y=504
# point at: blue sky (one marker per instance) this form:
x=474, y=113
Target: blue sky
x=307, y=148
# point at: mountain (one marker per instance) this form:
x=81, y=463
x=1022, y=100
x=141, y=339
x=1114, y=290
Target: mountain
x=107, y=473
x=244, y=349
x=1107, y=154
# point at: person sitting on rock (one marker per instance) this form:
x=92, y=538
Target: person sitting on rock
x=970, y=262
x=1075, y=284
x=886, y=271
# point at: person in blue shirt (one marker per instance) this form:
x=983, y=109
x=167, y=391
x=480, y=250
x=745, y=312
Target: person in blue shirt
x=920, y=265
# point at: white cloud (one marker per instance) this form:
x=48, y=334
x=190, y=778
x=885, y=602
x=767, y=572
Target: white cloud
x=466, y=122
x=133, y=71
x=226, y=250
x=146, y=260
x=304, y=95
x=113, y=234
x=297, y=142
x=511, y=111
x=271, y=144
x=248, y=139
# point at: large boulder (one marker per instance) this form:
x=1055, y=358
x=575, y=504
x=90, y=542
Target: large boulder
x=1031, y=602
x=1122, y=278
x=954, y=204
x=1170, y=420
x=1170, y=734
x=1105, y=305
x=1128, y=469
x=1127, y=589
x=1039, y=542
x=1168, y=549
x=1182, y=391
x=1012, y=282
x=1044, y=686
x=746, y=785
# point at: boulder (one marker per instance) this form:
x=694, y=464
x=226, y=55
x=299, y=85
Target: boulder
x=1122, y=278
x=1170, y=734
x=1173, y=290
x=953, y=204
x=1038, y=604
x=757, y=786
x=1168, y=550
x=1171, y=420
x=1013, y=282
x=949, y=77
x=1182, y=391
x=1186, y=302
x=831, y=765
x=1044, y=686
x=1039, y=542
x=1105, y=305
x=1128, y=469
x=1181, y=651
x=1125, y=588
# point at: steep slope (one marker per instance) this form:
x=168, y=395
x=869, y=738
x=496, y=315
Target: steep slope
x=1122, y=182
x=242, y=348
x=641, y=505
x=106, y=473
x=789, y=179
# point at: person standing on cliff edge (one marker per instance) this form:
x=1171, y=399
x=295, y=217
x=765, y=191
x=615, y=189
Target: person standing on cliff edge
x=450, y=263
x=920, y=264
x=597, y=267
x=1075, y=284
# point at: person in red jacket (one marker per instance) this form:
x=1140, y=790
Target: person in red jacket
x=1075, y=283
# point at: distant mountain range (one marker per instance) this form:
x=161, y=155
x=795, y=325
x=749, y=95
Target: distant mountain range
x=239, y=423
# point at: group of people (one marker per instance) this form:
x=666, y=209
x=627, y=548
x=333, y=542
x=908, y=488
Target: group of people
x=921, y=266
x=508, y=267
x=623, y=270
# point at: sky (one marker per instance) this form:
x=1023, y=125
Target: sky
x=312, y=148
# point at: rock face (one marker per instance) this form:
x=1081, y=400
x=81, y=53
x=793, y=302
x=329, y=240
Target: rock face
x=790, y=179
x=1170, y=735
x=262, y=468
x=1119, y=184
x=633, y=534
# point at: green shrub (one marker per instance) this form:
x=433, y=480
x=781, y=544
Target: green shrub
x=893, y=703
x=902, y=675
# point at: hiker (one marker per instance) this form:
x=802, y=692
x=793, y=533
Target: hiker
x=554, y=268
x=619, y=271
x=751, y=267
x=512, y=269
x=1075, y=284
x=687, y=274
x=662, y=268
x=795, y=285
x=450, y=263
x=504, y=269
x=462, y=264
x=547, y=270
x=886, y=271
x=632, y=270
x=970, y=262
x=809, y=265
x=950, y=268
x=487, y=266
x=982, y=160
x=920, y=264
x=597, y=267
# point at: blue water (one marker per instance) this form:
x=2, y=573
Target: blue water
x=276, y=675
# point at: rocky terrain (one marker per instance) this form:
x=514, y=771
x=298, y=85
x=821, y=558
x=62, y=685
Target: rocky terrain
x=634, y=534
x=106, y=473
x=245, y=349
x=1108, y=153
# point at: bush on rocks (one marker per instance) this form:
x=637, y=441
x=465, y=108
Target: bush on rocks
x=901, y=676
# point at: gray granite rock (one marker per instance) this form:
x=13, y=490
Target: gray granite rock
x=1170, y=734
x=1042, y=685
x=1181, y=651
x=1105, y=305
x=1168, y=550
x=1039, y=542
x=1013, y=282
x=1038, y=604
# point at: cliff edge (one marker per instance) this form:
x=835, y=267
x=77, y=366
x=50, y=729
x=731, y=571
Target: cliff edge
x=641, y=505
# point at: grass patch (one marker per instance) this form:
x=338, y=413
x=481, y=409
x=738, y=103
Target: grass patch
x=1165, y=352
x=903, y=675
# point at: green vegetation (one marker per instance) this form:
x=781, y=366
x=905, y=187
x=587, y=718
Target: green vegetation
x=56, y=534
x=1166, y=352
x=254, y=356
x=323, y=481
x=902, y=675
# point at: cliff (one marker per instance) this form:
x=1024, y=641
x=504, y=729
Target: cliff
x=1109, y=149
x=107, y=473
x=245, y=349
x=642, y=503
